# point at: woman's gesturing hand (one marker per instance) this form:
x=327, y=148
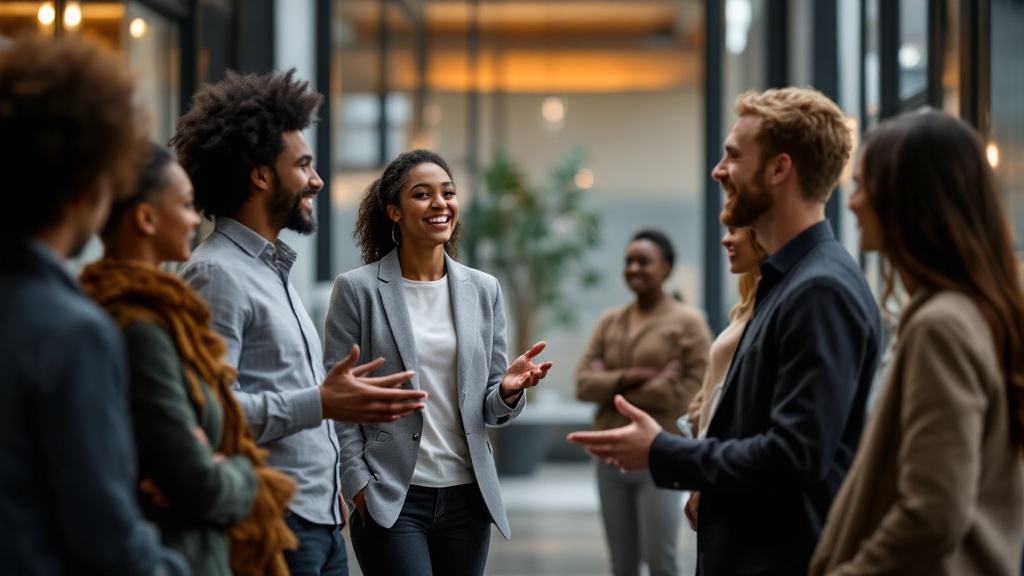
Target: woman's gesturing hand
x=523, y=374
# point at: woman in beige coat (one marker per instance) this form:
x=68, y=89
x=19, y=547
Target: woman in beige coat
x=654, y=352
x=937, y=486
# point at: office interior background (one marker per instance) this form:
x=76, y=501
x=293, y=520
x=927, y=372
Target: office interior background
x=645, y=87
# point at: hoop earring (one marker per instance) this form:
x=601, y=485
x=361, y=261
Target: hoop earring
x=393, y=239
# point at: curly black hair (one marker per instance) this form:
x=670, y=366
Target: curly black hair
x=374, y=228
x=68, y=117
x=661, y=240
x=235, y=126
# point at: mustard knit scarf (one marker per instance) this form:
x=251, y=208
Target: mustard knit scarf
x=132, y=292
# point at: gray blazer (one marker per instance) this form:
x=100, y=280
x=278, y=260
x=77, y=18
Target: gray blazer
x=368, y=308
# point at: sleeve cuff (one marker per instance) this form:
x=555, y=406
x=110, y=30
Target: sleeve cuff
x=306, y=408
x=661, y=470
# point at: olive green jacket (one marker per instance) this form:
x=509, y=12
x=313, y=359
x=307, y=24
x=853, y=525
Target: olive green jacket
x=205, y=495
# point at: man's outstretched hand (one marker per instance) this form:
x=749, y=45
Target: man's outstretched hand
x=628, y=447
x=349, y=395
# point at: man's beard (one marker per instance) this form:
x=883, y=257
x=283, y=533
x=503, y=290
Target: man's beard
x=748, y=204
x=290, y=208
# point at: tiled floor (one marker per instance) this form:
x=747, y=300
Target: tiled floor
x=556, y=528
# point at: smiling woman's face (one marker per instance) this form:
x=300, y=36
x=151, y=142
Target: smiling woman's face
x=740, y=250
x=427, y=209
x=871, y=236
x=646, y=268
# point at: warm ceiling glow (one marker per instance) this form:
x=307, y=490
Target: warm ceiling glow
x=47, y=14
x=992, y=151
x=553, y=109
x=432, y=113
x=137, y=28
x=73, y=15
x=584, y=179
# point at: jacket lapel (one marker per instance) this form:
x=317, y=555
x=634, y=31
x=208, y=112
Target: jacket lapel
x=392, y=296
x=465, y=310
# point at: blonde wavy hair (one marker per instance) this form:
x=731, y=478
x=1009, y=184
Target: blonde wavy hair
x=806, y=125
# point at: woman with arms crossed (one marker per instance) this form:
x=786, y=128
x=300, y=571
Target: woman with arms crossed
x=937, y=485
x=654, y=351
x=425, y=487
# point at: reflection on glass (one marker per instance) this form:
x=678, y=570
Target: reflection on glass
x=738, y=15
x=951, y=65
x=1007, y=109
x=872, y=67
x=152, y=49
x=913, y=51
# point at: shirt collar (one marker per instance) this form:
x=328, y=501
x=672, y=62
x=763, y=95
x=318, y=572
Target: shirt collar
x=276, y=254
x=779, y=263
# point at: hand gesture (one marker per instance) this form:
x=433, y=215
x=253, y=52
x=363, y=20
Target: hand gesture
x=523, y=374
x=627, y=447
x=348, y=395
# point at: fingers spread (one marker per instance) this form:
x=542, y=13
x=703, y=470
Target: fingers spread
x=389, y=381
x=349, y=361
x=368, y=367
x=535, y=349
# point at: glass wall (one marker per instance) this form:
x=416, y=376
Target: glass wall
x=1006, y=142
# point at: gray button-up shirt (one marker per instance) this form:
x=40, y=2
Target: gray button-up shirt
x=275, y=348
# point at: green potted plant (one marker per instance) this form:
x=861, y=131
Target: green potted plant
x=533, y=239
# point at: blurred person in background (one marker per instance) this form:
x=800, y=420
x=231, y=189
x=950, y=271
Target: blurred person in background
x=425, y=488
x=196, y=454
x=70, y=143
x=745, y=255
x=242, y=146
x=653, y=351
x=937, y=486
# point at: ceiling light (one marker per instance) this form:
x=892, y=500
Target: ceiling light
x=137, y=28
x=47, y=14
x=73, y=15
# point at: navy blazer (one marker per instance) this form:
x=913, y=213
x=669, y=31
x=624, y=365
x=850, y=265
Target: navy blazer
x=368, y=308
x=790, y=416
x=67, y=461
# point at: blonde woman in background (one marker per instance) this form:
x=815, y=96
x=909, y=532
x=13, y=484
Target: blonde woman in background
x=745, y=255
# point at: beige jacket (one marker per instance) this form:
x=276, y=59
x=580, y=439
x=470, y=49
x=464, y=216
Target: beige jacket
x=936, y=487
x=722, y=351
x=674, y=331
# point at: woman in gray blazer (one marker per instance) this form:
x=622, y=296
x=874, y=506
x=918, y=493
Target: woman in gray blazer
x=424, y=487
x=937, y=485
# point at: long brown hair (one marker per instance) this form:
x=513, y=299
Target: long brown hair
x=930, y=184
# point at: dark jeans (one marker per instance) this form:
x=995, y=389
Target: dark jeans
x=441, y=531
x=321, y=549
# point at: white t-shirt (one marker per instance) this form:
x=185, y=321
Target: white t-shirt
x=444, y=455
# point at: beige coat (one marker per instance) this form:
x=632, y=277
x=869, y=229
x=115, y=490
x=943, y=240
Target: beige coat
x=936, y=487
x=722, y=351
x=675, y=331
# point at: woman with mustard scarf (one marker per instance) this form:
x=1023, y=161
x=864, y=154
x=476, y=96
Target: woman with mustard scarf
x=203, y=480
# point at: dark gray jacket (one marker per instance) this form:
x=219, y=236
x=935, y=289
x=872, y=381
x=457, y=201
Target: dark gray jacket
x=67, y=462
